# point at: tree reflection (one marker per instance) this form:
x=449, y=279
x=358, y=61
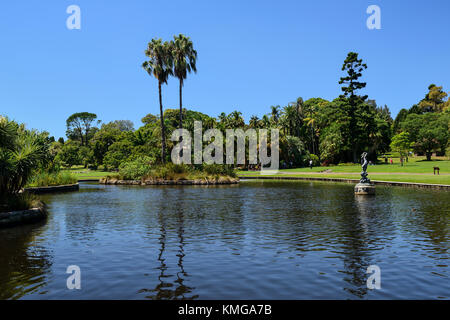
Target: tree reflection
x=168, y=289
x=23, y=264
x=355, y=245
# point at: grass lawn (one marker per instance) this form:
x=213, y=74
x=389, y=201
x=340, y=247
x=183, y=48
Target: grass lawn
x=416, y=170
x=81, y=173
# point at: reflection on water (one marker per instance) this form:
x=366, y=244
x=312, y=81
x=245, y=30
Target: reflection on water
x=256, y=240
x=24, y=263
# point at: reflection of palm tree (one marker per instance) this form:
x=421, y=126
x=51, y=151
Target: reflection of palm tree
x=181, y=290
x=164, y=288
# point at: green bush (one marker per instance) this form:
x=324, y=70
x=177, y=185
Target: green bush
x=315, y=159
x=218, y=169
x=45, y=179
x=136, y=169
x=142, y=168
x=19, y=201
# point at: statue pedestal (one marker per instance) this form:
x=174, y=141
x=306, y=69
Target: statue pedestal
x=365, y=188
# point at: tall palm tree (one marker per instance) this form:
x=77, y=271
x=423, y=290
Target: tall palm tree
x=254, y=122
x=275, y=112
x=159, y=65
x=184, y=60
x=235, y=119
x=311, y=121
x=265, y=121
x=299, y=106
x=289, y=119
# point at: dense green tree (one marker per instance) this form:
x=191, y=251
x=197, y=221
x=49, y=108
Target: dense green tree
x=70, y=153
x=80, y=127
x=118, y=153
x=354, y=67
x=434, y=100
x=429, y=132
x=402, y=144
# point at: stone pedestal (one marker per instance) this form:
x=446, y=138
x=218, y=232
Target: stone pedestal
x=365, y=188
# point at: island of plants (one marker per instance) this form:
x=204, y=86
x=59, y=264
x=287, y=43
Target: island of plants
x=142, y=172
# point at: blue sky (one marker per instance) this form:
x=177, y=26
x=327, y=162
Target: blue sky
x=251, y=55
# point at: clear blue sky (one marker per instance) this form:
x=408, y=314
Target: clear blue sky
x=251, y=55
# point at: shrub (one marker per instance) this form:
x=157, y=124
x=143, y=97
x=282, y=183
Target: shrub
x=136, y=169
x=19, y=201
x=218, y=169
x=315, y=159
x=45, y=179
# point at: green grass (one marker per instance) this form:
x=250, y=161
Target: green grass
x=417, y=170
x=45, y=179
x=84, y=174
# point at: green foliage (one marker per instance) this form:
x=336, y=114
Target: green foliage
x=117, y=153
x=354, y=68
x=80, y=127
x=434, y=100
x=218, y=170
x=69, y=154
x=293, y=151
x=44, y=179
x=315, y=159
x=401, y=143
x=429, y=132
x=136, y=169
x=22, y=152
x=18, y=201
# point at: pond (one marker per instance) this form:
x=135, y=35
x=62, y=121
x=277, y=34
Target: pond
x=255, y=240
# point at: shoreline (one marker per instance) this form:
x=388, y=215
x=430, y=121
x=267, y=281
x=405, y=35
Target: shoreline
x=21, y=217
x=49, y=189
x=344, y=180
x=219, y=181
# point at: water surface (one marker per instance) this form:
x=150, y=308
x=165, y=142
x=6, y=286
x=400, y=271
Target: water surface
x=255, y=240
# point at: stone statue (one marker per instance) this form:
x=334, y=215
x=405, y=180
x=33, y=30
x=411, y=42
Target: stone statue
x=364, y=164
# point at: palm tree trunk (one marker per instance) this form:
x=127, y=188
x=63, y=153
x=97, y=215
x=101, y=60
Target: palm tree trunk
x=163, y=134
x=312, y=140
x=181, y=103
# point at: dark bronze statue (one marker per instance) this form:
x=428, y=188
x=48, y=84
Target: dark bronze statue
x=364, y=164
